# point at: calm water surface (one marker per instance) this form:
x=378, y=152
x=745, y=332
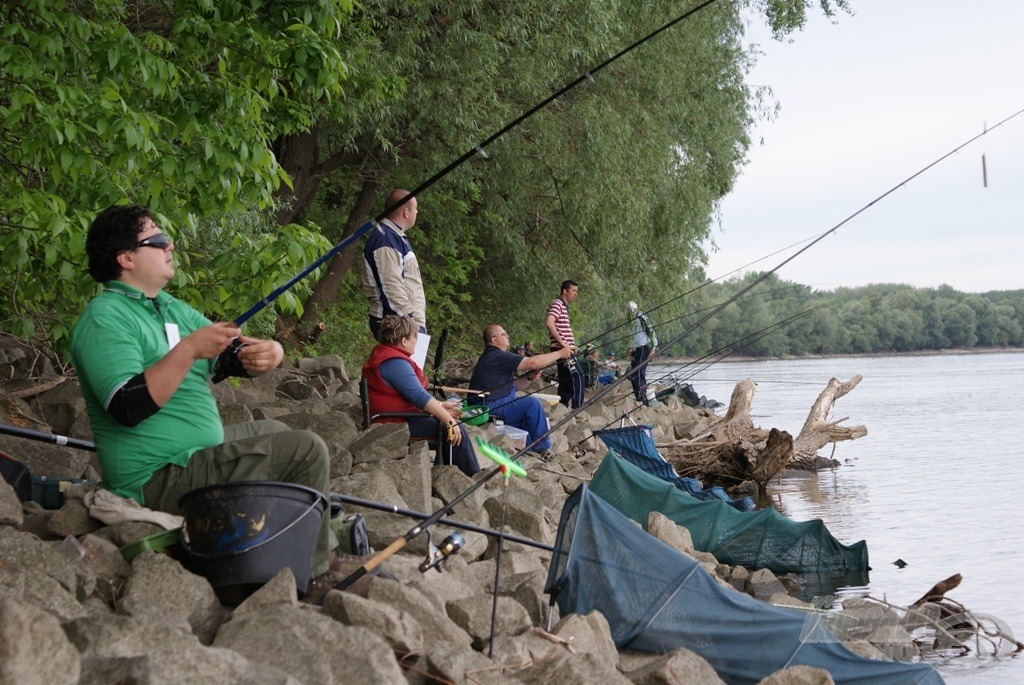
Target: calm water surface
x=933, y=482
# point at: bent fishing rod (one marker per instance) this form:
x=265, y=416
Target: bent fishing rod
x=481, y=393
x=478, y=149
x=413, y=532
x=719, y=354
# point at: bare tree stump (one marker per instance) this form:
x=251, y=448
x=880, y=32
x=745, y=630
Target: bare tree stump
x=733, y=449
x=818, y=431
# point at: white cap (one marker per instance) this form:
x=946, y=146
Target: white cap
x=632, y=306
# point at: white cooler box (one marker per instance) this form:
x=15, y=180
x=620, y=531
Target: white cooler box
x=518, y=435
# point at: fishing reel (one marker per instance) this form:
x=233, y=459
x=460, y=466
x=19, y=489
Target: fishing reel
x=436, y=556
x=228, y=364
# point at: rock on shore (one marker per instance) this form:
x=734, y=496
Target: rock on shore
x=73, y=611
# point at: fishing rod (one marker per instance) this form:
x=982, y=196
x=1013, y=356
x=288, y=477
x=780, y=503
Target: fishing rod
x=65, y=441
x=400, y=542
x=478, y=149
x=51, y=438
x=546, y=387
x=631, y=319
x=722, y=353
x=454, y=523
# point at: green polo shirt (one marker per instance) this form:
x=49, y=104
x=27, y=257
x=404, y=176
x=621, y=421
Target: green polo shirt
x=121, y=334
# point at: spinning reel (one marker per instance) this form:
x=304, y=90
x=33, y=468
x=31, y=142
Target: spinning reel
x=436, y=556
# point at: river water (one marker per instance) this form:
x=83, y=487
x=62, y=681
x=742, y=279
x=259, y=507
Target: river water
x=933, y=483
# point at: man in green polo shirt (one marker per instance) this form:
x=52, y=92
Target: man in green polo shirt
x=144, y=361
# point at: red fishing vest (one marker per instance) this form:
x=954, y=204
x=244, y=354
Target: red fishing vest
x=381, y=395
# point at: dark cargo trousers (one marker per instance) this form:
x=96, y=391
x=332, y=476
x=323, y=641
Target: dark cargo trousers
x=258, y=450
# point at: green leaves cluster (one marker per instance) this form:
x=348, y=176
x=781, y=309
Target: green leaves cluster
x=168, y=104
x=233, y=119
x=779, y=318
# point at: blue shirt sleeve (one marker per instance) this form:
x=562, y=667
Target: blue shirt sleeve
x=399, y=375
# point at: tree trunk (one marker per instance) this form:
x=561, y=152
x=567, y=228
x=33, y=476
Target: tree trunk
x=817, y=432
x=733, y=449
x=297, y=155
x=325, y=292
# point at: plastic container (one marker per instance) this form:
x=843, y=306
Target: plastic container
x=49, y=492
x=518, y=435
x=240, y=535
x=158, y=542
x=475, y=414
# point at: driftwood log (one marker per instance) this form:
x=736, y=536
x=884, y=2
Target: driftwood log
x=733, y=450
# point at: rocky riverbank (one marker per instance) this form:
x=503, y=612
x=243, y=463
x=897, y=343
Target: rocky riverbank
x=73, y=611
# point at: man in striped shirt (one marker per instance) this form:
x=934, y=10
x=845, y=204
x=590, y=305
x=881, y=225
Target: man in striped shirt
x=570, y=375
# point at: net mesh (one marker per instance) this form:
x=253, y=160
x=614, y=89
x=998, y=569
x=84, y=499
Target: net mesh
x=636, y=445
x=656, y=599
x=755, y=539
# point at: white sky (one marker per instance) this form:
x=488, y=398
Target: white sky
x=866, y=103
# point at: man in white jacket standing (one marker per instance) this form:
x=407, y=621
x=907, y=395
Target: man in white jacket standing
x=392, y=282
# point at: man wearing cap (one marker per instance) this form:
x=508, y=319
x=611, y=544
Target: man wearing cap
x=495, y=374
x=643, y=341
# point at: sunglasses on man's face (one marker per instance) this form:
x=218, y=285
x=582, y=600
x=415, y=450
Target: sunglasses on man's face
x=159, y=241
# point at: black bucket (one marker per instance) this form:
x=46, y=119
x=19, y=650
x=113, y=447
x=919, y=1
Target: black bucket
x=240, y=535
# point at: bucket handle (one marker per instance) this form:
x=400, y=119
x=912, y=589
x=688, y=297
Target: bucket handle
x=224, y=554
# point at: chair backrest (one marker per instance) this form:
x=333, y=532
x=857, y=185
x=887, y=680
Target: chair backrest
x=364, y=399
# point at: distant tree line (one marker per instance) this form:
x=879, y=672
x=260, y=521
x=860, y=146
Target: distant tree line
x=779, y=318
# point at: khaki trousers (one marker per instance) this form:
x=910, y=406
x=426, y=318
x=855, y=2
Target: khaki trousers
x=258, y=450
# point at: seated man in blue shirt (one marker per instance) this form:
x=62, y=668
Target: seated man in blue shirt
x=495, y=373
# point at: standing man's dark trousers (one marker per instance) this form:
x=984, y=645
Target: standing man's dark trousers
x=570, y=382
x=639, y=379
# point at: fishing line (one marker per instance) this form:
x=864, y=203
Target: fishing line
x=722, y=353
x=698, y=311
x=676, y=319
x=399, y=543
x=478, y=149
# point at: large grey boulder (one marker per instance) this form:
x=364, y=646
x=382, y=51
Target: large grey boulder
x=48, y=460
x=581, y=669
x=448, y=483
x=34, y=647
x=159, y=587
x=473, y=614
x=104, y=558
x=330, y=366
x=522, y=512
x=62, y=407
x=589, y=634
x=799, y=675
x=380, y=442
x=43, y=593
x=528, y=590
x=10, y=506
x=762, y=584
x=72, y=519
x=397, y=627
x=678, y=667
x=312, y=648
x=430, y=614
x=371, y=485
x=411, y=477
x=278, y=590
x=668, y=531
x=460, y=664
x=24, y=552
x=117, y=648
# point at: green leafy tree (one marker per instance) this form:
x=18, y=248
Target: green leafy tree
x=169, y=104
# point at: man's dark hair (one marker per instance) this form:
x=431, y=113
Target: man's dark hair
x=113, y=231
x=568, y=284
